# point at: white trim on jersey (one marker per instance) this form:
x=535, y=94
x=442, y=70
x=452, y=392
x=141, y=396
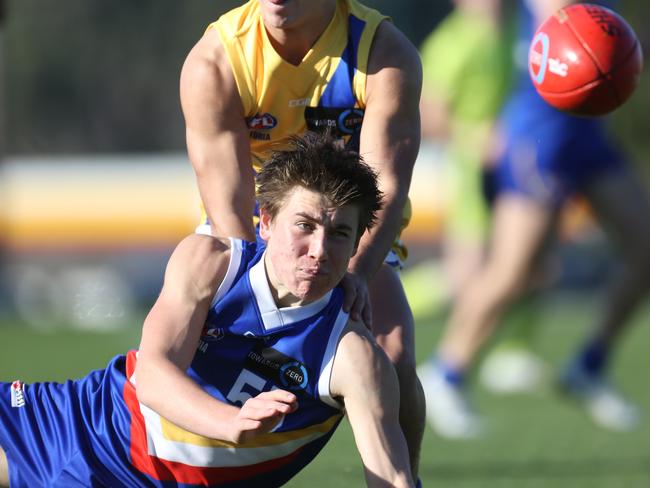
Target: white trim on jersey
x=272, y=316
x=203, y=452
x=324, y=391
x=236, y=246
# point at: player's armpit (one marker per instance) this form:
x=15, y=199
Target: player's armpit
x=364, y=377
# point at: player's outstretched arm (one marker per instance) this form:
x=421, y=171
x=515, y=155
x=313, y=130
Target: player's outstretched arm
x=364, y=377
x=170, y=337
x=217, y=138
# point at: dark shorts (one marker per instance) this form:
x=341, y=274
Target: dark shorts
x=550, y=155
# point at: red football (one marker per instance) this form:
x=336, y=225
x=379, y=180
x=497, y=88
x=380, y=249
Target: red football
x=585, y=59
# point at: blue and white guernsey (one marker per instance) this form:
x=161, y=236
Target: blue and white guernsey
x=248, y=345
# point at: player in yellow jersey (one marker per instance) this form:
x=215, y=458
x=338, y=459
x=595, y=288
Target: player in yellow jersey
x=274, y=68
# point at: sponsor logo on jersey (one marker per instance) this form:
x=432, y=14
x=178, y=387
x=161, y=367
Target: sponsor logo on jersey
x=300, y=102
x=294, y=375
x=264, y=121
x=344, y=121
x=213, y=333
x=209, y=335
x=279, y=368
x=17, y=394
x=259, y=136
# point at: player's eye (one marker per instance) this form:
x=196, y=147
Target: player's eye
x=342, y=233
x=306, y=226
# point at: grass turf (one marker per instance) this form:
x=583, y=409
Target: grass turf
x=535, y=440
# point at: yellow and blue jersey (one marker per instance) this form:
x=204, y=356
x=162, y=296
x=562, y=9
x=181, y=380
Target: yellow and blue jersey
x=95, y=431
x=327, y=90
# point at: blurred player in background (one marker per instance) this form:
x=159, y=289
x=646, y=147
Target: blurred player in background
x=467, y=71
x=271, y=69
x=547, y=156
x=247, y=362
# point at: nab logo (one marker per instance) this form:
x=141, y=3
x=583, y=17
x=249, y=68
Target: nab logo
x=262, y=122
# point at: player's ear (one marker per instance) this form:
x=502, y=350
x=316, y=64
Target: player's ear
x=265, y=224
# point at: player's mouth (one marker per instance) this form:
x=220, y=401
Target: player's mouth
x=313, y=272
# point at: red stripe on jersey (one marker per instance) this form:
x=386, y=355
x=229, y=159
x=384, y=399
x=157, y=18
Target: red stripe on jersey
x=164, y=470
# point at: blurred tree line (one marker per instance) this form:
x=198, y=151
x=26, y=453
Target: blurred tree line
x=102, y=75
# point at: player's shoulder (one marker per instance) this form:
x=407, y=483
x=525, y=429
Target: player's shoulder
x=359, y=363
x=357, y=344
x=391, y=47
x=201, y=258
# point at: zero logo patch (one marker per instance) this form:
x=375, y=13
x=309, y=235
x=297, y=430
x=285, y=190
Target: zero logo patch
x=279, y=368
x=343, y=121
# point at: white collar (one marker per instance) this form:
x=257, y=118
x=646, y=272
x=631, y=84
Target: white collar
x=272, y=316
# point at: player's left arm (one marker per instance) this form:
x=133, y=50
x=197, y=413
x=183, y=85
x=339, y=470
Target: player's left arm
x=390, y=137
x=364, y=377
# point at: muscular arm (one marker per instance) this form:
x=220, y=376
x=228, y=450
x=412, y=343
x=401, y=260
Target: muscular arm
x=390, y=136
x=217, y=138
x=169, y=340
x=365, y=378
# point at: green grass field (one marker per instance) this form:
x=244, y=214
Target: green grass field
x=536, y=440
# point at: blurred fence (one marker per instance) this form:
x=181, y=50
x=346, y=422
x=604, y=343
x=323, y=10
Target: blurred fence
x=86, y=238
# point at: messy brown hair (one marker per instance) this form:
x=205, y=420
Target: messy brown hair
x=321, y=164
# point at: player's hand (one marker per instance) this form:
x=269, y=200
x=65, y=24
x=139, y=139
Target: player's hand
x=262, y=413
x=357, y=298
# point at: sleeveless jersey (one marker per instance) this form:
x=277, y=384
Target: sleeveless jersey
x=325, y=91
x=98, y=433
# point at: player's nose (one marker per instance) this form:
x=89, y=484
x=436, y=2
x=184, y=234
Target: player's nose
x=318, y=245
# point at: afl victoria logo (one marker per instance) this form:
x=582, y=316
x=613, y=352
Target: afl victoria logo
x=262, y=122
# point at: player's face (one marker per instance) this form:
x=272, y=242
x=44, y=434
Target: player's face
x=287, y=14
x=309, y=246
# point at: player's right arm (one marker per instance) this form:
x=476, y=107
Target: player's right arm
x=217, y=138
x=169, y=341
x=364, y=377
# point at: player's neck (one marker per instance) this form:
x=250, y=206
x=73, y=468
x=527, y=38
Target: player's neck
x=293, y=43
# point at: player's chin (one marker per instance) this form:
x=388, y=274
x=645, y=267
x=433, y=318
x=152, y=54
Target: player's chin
x=314, y=287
